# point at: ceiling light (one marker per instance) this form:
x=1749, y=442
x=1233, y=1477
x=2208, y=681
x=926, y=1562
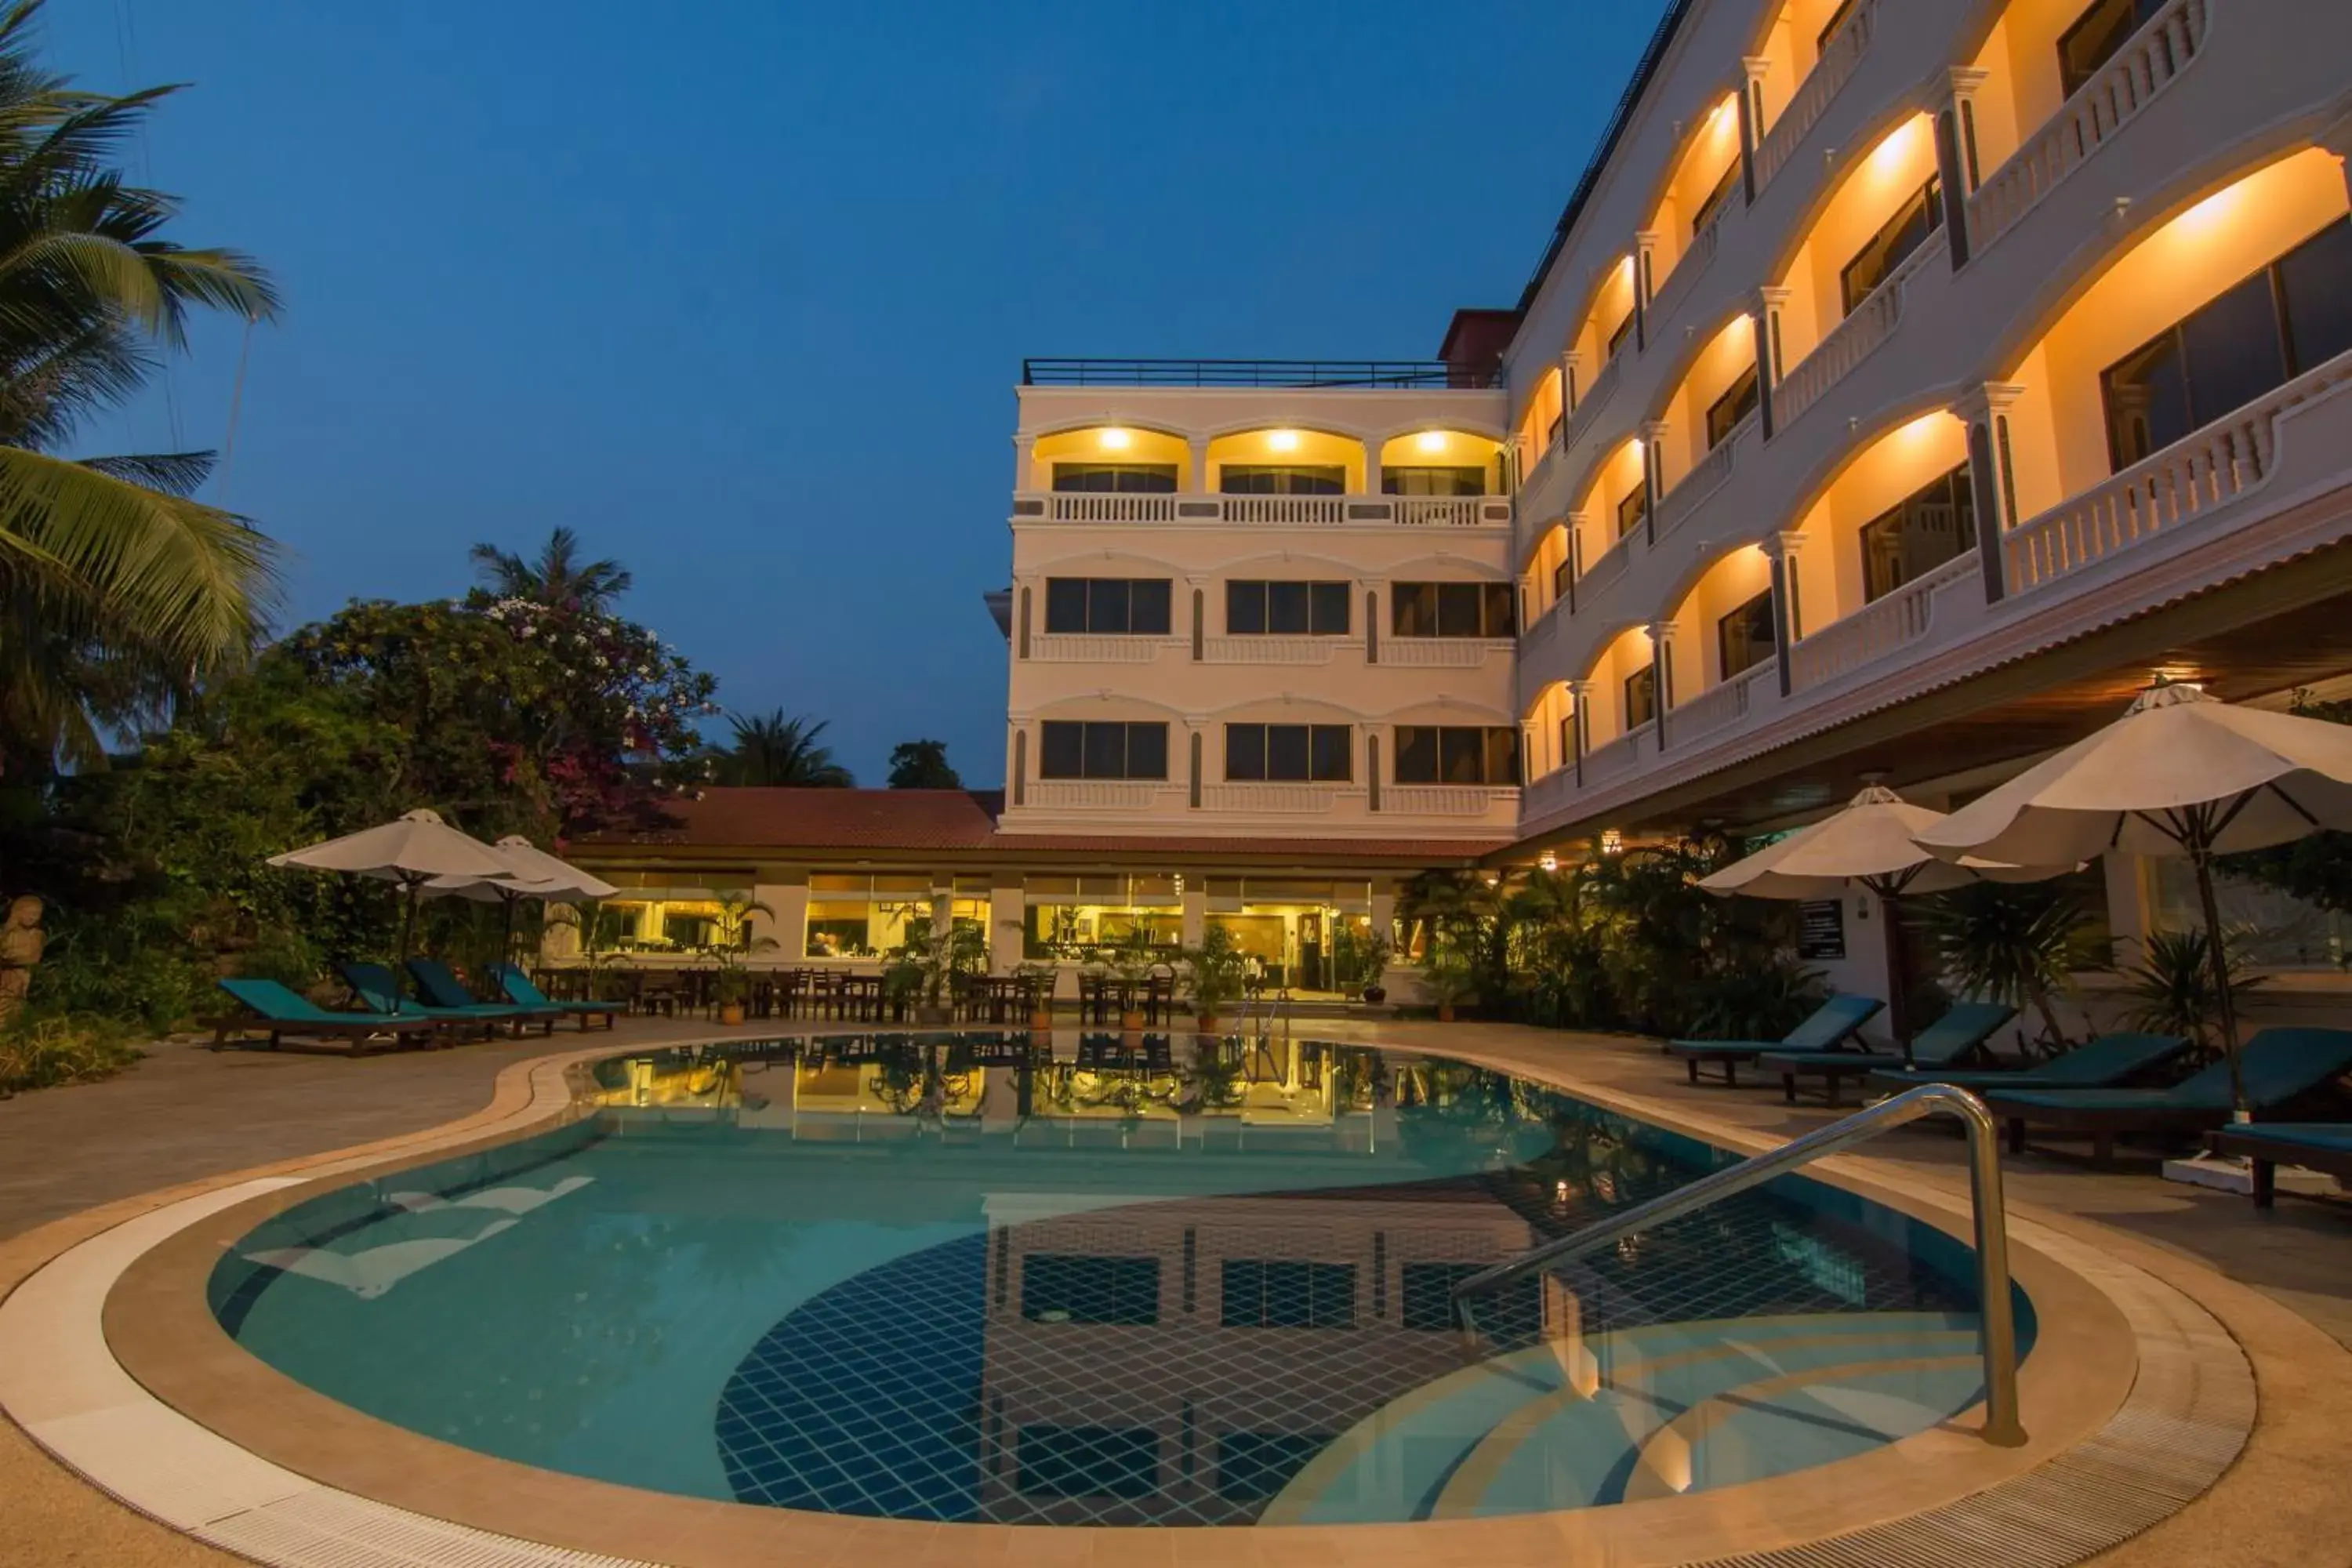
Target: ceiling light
x=1282, y=440
x=1430, y=440
x=1115, y=440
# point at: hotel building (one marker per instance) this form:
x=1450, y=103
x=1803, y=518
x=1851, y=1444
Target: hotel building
x=1902, y=389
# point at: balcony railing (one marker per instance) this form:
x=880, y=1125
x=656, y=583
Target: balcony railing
x=1064, y=648
x=1719, y=706
x=1852, y=340
x=1437, y=373
x=1617, y=757
x=1710, y=475
x=2161, y=493
x=1103, y=794
x=2158, y=53
x=1686, y=274
x=1816, y=93
x=1596, y=579
x=1445, y=800
x=1580, y=419
x=1887, y=623
x=1443, y=653
x=1266, y=511
x=1290, y=650
x=1285, y=799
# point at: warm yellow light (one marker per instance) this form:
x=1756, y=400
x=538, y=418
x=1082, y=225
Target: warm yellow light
x=1887, y=158
x=1634, y=446
x=1282, y=440
x=1550, y=862
x=2208, y=213
x=1115, y=440
x=1430, y=440
x=1720, y=121
x=1625, y=265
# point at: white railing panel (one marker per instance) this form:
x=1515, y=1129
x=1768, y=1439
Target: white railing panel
x=1717, y=708
x=1595, y=398
x=1852, y=340
x=1549, y=792
x=1444, y=652
x=1063, y=648
x=1889, y=623
x=1607, y=763
x=1271, y=649
x=1081, y=506
x=1445, y=800
x=1286, y=799
x=1101, y=795
x=1316, y=510
x=1688, y=267
x=1816, y=93
x=1710, y=474
x=2210, y=468
x=1452, y=512
x=2163, y=48
x=1601, y=576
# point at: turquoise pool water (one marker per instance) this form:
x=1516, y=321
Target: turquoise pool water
x=1197, y=1283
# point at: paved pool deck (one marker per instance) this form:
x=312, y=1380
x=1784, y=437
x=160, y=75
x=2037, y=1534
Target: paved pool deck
x=185, y=1114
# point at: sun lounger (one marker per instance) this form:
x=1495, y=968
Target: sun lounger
x=1834, y=1022
x=2280, y=1067
x=519, y=988
x=373, y=984
x=2315, y=1145
x=440, y=986
x=272, y=1008
x=1958, y=1034
x=2105, y=1063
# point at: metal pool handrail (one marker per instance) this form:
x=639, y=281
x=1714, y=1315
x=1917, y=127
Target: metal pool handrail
x=1998, y=1332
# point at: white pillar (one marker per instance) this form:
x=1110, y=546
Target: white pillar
x=1007, y=922
x=1193, y=902
x=786, y=892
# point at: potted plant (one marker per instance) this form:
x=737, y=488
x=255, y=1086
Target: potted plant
x=732, y=943
x=2171, y=987
x=1372, y=962
x=927, y=965
x=2020, y=944
x=1449, y=977
x=1042, y=976
x=1214, y=973
x=1132, y=960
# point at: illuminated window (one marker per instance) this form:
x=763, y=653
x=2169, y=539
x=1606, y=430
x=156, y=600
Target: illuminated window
x=1452, y=610
x=1919, y=216
x=1428, y=753
x=1432, y=481
x=1093, y=750
x=1282, y=479
x=1122, y=479
x=854, y=915
x=2095, y=36
x=1108, y=605
x=1641, y=697
x=1625, y=330
x=1724, y=415
x=1919, y=533
x=1632, y=508
x=1713, y=202
x=1286, y=609
x=1744, y=640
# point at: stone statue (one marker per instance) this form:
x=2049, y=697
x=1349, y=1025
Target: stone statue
x=20, y=951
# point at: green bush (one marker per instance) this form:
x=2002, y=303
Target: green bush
x=63, y=1047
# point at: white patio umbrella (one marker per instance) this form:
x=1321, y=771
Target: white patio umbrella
x=2180, y=773
x=1869, y=844
x=409, y=852
x=532, y=873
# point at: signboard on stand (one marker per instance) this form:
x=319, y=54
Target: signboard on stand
x=1821, y=930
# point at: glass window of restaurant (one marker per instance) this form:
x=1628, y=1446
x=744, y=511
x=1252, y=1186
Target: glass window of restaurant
x=1083, y=917
x=858, y=915
x=678, y=917
x=1310, y=934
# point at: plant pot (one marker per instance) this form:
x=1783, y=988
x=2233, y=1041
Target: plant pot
x=932, y=1015
x=1041, y=1018
x=1207, y=1023
x=1445, y=1012
x=1130, y=1023
x=1376, y=994
x=730, y=1012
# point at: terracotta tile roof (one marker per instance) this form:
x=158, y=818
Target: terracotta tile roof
x=916, y=819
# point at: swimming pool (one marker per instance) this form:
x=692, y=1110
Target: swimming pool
x=983, y=1277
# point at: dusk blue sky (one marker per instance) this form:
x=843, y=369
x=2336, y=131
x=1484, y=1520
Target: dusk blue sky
x=740, y=291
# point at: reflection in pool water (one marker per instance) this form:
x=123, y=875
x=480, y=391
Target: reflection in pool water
x=1104, y=1280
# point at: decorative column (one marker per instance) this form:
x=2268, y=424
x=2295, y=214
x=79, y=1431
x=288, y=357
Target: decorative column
x=1024, y=449
x=1653, y=476
x=1008, y=922
x=1763, y=315
x=1580, y=728
x=1984, y=409
x=1751, y=116
x=785, y=891
x=1193, y=902
x=1197, y=481
x=1571, y=372
x=1372, y=445
x=1662, y=672
x=1193, y=746
x=1780, y=549
x=1646, y=245
x=1956, y=157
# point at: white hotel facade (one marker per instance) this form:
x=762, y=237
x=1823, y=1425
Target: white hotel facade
x=1905, y=384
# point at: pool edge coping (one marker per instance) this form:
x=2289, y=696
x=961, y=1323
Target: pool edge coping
x=533, y=1095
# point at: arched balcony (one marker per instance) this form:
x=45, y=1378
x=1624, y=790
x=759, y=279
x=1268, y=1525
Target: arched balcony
x=1551, y=724
x=1713, y=400
x=1806, y=55
x=1621, y=697
x=1678, y=240
x=1615, y=506
x=2154, y=395
x=1540, y=420
x=1286, y=462
x=1725, y=634
x=1083, y=468
x=1438, y=474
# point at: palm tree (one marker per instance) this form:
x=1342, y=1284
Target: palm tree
x=770, y=749
x=118, y=591
x=558, y=577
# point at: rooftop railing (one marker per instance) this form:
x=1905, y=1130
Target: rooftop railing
x=1384, y=373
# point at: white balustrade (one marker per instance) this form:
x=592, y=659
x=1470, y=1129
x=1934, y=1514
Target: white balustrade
x=1443, y=653
x=1086, y=506
x=1547, y=793
x=1316, y=510
x=1886, y=623
x=1101, y=795
x=1606, y=763
x=1588, y=408
x=1853, y=339
x=1069, y=648
x=1452, y=512
x=1717, y=707
x=1601, y=576
x=1708, y=476
x=1831, y=72
x=1445, y=800
x=1686, y=274
x=2154, y=56
x=1271, y=649
x=2210, y=468
x=1286, y=799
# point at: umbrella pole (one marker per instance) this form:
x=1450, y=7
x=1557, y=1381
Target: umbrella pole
x=507, y=903
x=2200, y=856
x=407, y=932
x=1890, y=909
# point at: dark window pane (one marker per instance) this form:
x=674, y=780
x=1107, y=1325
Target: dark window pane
x=1445, y=481
x=1334, y=751
x=1146, y=750
x=1918, y=535
x=1511, y=1313
x=1500, y=601
x=1066, y=603
x=1149, y=606
x=1126, y=478
x=2315, y=291
x=1286, y=1294
x=1254, y=1466
x=1462, y=756
x=1286, y=753
x=1088, y=1461
x=1328, y=615
x=2233, y=351
x=1631, y=509
x=1457, y=609
x=1829, y=28
x=1285, y=609
x=1078, y=1288
x=1244, y=608
x=1416, y=754
x=1106, y=751
x=1503, y=754
x=1728, y=411
x=1617, y=339
x=1641, y=697
x=1061, y=750
x=1713, y=201
x=1414, y=608
x=1282, y=479
x=2147, y=397
x=1107, y=605
x=2095, y=36
x=1882, y=252
x=1743, y=638
x=1246, y=751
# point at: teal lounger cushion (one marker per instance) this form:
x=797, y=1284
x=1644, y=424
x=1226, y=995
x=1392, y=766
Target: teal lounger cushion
x=2277, y=1065
x=1963, y=1027
x=281, y=1005
x=2099, y=1063
x=1833, y=1021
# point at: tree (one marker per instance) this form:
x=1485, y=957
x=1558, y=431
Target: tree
x=558, y=578
x=923, y=764
x=118, y=593
x=2316, y=867
x=773, y=750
